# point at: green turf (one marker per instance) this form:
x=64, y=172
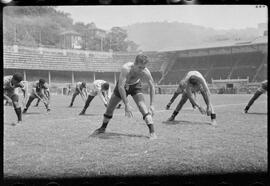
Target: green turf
x=58, y=144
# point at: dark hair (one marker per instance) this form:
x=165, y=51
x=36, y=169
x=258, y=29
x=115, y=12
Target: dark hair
x=42, y=81
x=17, y=77
x=83, y=84
x=141, y=59
x=105, y=86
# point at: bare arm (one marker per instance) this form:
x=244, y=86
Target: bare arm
x=150, y=82
x=121, y=85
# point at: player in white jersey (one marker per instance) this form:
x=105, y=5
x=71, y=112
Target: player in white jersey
x=80, y=89
x=100, y=88
x=257, y=94
x=194, y=82
x=38, y=91
x=10, y=84
x=130, y=83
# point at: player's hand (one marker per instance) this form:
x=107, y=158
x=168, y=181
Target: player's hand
x=128, y=112
x=202, y=110
x=152, y=110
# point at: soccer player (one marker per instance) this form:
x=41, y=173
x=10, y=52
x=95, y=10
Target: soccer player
x=10, y=84
x=194, y=82
x=257, y=94
x=38, y=91
x=80, y=89
x=176, y=93
x=47, y=94
x=101, y=88
x=129, y=83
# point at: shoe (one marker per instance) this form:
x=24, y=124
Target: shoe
x=246, y=110
x=98, y=131
x=82, y=113
x=171, y=118
x=24, y=111
x=48, y=110
x=213, y=122
x=167, y=107
x=152, y=136
x=19, y=122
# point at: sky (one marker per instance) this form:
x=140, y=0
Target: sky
x=214, y=16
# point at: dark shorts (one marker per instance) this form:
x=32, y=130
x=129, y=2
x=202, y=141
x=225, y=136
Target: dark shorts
x=130, y=89
x=12, y=95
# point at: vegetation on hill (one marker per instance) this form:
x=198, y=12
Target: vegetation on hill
x=43, y=25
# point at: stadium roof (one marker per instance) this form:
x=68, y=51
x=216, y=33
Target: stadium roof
x=227, y=43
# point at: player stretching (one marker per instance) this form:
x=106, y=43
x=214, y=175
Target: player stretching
x=47, y=94
x=176, y=93
x=38, y=91
x=256, y=95
x=80, y=89
x=129, y=83
x=101, y=88
x=194, y=82
x=10, y=84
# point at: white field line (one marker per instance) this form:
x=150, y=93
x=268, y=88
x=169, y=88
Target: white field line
x=137, y=112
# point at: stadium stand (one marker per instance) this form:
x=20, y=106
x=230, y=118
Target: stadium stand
x=167, y=67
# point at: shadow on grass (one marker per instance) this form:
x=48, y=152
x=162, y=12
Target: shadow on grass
x=112, y=135
x=31, y=113
x=185, y=122
x=89, y=115
x=11, y=124
x=257, y=113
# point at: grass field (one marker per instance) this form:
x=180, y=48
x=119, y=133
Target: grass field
x=57, y=144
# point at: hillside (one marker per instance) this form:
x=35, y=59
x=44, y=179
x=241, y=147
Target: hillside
x=154, y=36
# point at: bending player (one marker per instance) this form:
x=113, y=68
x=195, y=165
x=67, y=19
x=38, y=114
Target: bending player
x=176, y=93
x=48, y=97
x=38, y=91
x=10, y=84
x=80, y=89
x=129, y=83
x=257, y=94
x=100, y=88
x=194, y=82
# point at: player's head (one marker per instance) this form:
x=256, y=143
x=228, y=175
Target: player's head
x=105, y=86
x=17, y=78
x=193, y=81
x=140, y=62
x=42, y=81
x=84, y=84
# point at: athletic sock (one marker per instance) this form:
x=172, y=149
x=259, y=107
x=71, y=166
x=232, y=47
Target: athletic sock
x=104, y=125
x=18, y=113
x=151, y=128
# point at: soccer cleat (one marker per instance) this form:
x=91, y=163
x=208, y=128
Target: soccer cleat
x=48, y=110
x=19, y=122
x=98, y=131
x=24, y=111
x=171, y=118
x=152, y=136
x=246, y=110
x=213, y=122
x=82, y=112
x=167, y=107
